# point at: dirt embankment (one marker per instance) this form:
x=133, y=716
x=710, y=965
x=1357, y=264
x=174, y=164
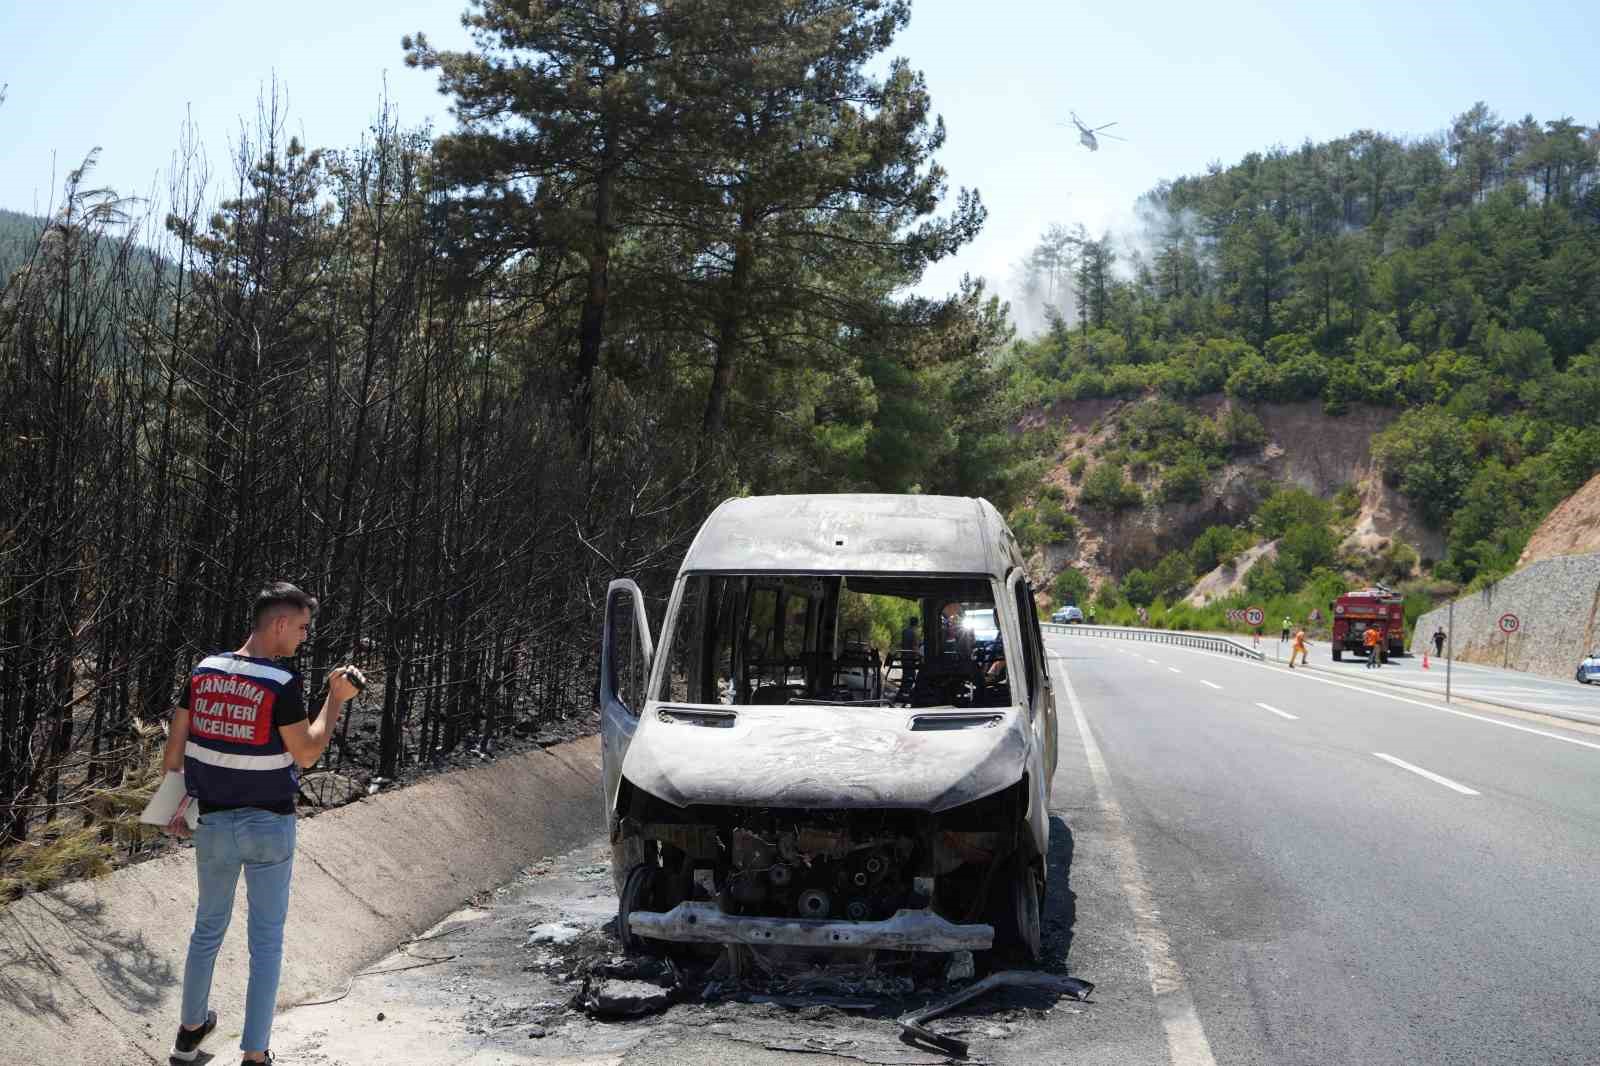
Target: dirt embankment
x=1228, y=577
x=1573, y=528
x=1303, y=446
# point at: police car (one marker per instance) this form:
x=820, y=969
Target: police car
x=1067, y=616
x=1589, y=669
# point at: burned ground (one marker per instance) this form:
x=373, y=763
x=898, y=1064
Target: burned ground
x=502, y=979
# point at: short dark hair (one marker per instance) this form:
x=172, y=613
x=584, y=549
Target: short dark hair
x=279, y=594
x=911, y=621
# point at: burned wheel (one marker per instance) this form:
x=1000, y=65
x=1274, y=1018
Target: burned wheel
x=1018, y=925
x=638, y=894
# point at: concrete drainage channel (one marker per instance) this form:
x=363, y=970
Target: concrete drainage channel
x=90, y=973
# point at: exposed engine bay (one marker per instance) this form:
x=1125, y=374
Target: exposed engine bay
x=925, y=878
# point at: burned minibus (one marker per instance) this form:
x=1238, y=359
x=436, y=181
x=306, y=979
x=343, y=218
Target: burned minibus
x=844, y=740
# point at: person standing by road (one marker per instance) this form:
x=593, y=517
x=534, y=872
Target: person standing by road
x=1299, y=649
x=1438, y=641
x=1287, y=625
x=1370, y=639
x=1091, y=614
x=908, y=635
x=239, y=736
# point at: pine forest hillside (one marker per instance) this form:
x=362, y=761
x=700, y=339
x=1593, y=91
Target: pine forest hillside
x=1451, y=281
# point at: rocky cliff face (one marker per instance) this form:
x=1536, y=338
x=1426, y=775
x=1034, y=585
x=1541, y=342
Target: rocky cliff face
x=1304, y=446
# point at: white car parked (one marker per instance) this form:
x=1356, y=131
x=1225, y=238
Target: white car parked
x=1589, y=669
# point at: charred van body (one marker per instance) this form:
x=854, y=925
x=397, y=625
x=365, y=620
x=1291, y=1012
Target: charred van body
x=844, y=741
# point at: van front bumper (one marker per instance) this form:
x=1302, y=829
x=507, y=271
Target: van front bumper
x=907, y=930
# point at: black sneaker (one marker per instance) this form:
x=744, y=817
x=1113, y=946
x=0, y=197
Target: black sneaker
x=269, y=1060
x=187, y=1046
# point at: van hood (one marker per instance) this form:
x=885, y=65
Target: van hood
x=826, y=757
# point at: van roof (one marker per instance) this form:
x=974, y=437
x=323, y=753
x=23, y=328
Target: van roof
x=855, y=533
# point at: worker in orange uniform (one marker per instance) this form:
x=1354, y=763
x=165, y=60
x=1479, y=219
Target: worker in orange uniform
x=1299, y=649
x=1370, y=638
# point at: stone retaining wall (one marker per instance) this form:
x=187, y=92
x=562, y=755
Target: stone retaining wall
x=1558, y=603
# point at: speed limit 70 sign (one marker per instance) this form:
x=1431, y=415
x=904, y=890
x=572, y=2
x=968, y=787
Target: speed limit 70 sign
x=1510, y=623
x=1255, y=616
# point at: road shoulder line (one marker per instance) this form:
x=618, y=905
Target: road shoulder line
x=1451, y=710
x=1576, y=717
x=1186, y=1038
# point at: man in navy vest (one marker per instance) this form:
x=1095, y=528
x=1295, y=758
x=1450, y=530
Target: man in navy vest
x=239, y=736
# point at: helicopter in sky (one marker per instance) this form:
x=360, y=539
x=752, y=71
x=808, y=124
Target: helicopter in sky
x=1086, y=135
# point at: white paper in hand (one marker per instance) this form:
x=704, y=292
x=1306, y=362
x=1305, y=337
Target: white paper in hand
x=169, y=799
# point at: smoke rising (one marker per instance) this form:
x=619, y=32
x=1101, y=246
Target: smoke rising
x=1043, y=284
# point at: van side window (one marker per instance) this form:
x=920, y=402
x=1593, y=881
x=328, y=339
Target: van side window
x=700, y=661
x=684, y=666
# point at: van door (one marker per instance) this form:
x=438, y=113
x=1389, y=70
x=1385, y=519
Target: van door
x=626, y=651
x=1027, y=664
x=1045, y=701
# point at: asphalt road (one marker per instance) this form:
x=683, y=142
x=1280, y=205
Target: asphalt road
x=1253, y=866
x=1372, y=880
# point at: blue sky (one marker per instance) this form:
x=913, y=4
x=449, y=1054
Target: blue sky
x=1187, y=83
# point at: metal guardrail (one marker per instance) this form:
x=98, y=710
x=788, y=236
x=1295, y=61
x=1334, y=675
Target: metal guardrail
x=1221, y=645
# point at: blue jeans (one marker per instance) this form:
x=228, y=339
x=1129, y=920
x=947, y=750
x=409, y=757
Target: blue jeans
x=262, y=845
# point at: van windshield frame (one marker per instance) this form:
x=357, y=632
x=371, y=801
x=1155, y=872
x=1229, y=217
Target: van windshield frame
x=772, y=639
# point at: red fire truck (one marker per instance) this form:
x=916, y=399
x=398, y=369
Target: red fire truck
x=1354, y=611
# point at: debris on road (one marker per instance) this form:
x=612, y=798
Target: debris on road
x=552, y=933
x=913, y=1025
x=628, y=988
x=539, y=960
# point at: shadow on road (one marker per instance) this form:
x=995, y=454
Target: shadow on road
x=1060, y=902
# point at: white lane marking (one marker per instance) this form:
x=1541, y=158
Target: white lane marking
x=1186, y=1038
x=1213, y=684
x=1280, y=714
x=1152, y=662
x=1174, y=669
x=1450, y=710
x=1429, y=774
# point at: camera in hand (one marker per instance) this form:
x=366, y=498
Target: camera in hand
x=356, y=678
